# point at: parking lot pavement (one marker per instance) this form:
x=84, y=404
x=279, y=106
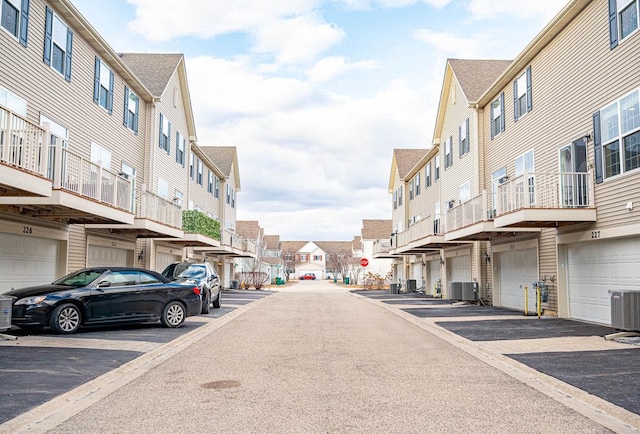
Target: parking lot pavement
x=573, y=352
x=38, y=366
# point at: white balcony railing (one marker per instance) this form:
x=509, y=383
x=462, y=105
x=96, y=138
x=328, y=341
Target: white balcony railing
x=545, y=190
x=468, y=213
x=232, y=240
x=429, y=226
x=22, y=144
x=158, y=209
x=80, y=176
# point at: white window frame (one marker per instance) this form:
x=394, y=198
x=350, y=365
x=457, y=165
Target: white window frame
x=496, y=122
x=417, y=184
x=58, y=26
x=130, y=173
x=178, y=199
x=465, y=192
x=100, y=156
x=448, y=155
x=180, y=147
x=18, y=5
x=623, y=5
x=427, y=175
x=105, y=86
x=133, y=108
x=199, y=171
x=166, y=130
x=615, y=127
x=163, y=188
x=437, y=168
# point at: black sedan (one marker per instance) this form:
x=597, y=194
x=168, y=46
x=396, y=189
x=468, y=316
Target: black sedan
x=105, y=295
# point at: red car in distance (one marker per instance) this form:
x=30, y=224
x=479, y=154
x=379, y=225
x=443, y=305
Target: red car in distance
x=308, y=276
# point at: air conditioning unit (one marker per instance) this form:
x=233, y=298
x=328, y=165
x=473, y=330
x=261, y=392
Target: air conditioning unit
x=411, y=285
x=455, y=290
x=469, y=291
x=625, y=310
x=393, y=288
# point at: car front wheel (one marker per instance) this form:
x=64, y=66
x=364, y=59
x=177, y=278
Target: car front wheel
x=65, y=318
x=173, y=315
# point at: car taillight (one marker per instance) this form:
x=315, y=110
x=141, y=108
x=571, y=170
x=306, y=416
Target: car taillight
x=196, y=290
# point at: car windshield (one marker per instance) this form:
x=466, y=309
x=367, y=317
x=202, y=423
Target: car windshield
x=193, y=272
x=80, y=278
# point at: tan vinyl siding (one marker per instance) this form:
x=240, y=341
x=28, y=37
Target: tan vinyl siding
x=207, y=202
x=165, y=165
x=398, y=214
x=77, y=248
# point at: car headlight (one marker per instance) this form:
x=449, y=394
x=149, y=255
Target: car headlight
x=31, y=300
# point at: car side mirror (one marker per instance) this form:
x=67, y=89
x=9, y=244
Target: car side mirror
x=104, y=284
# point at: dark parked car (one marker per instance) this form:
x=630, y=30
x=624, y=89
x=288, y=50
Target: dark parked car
x=105, y=295
x=201, y=274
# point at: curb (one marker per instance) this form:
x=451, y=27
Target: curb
x=597, y=409
x=52, y=413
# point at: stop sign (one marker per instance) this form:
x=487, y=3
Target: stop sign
x=364, y=262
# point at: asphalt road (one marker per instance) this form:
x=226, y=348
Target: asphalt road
x=316, y=359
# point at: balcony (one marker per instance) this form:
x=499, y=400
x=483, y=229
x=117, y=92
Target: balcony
x=422, y=237
x=155, y=217
x=382, y=249
x=40, y=177
x=545, y=200
x=472, y=221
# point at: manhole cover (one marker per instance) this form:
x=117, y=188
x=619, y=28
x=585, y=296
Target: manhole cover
x=222, y=384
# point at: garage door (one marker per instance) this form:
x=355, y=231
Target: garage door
x=594, y=269
x=164, y=259
x=459, y=268
x=518, y=268
x=109, y=257
x=27, y=261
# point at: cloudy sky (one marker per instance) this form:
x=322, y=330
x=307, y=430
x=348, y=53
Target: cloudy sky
x=316, y=94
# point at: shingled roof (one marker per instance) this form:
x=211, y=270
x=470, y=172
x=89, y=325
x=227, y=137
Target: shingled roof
x=406, y=159
x=153, y=69
x=376, y=229
x=272, y=242
x=476, y=75
x=224, y=157
x=249, y=229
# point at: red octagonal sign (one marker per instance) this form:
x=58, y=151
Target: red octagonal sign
x=364, y=262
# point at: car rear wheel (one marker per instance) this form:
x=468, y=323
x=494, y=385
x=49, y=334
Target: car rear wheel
x=65, y=318
x=173, y=315
x=216, y=302
x=206, y=302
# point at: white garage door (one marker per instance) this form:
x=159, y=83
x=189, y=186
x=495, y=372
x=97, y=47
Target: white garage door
x=27, y=261
x=459, y=268
x=164, y=259
x=109, y=257
x=594, y=269
x=518, y=268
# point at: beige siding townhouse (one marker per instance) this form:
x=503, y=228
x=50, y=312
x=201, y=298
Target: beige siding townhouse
x=375, y=239
x=273, y=255
x=568, y=151
x=74, y=131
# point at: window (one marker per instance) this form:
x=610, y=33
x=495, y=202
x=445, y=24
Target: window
x=103, y=86
x=15, y=18
x=131, y=110
x=411, y=192
x=13, y=102
x=100, y=156
x=178, y=198
x=165, y=134
x=129, y=172
x=417, y=184
x=448, y=155
x=436, y=218
x=497, y=178
x=465, y=192
x=228, y=194
x=617, y=137
x=199, y=173
x=464, y=137
x=57, y=134
x=623, y=20
x=181, y=144
x=395, y=199
x=317, y=257
x=233, y=198
x=524, y=163
x=210, y=182
x=522, y=103
x=216, y=190
x=437, y=167
x=427, y=175
x=400, y=196
x=303, y=258
x=192, y=172
x=58, y=42
x=525, y=166
x=163, y=188
x=497, y=115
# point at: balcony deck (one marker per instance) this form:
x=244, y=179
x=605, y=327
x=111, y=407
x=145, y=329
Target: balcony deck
x=422, y=237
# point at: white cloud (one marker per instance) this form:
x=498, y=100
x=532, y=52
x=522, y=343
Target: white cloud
x=365, y=4
x=331, y=67
x=469, y=46
x=496, y=9
x=163, y=20
x=297, y=39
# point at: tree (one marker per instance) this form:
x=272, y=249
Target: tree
x=338, y=263
x=257, y=274
x=290, y=259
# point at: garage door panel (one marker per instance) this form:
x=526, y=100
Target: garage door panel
x=595, y=269
x=164, y=259
x=100, y=256
x=460, y=267
x=518, y=268
x=27, y=261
